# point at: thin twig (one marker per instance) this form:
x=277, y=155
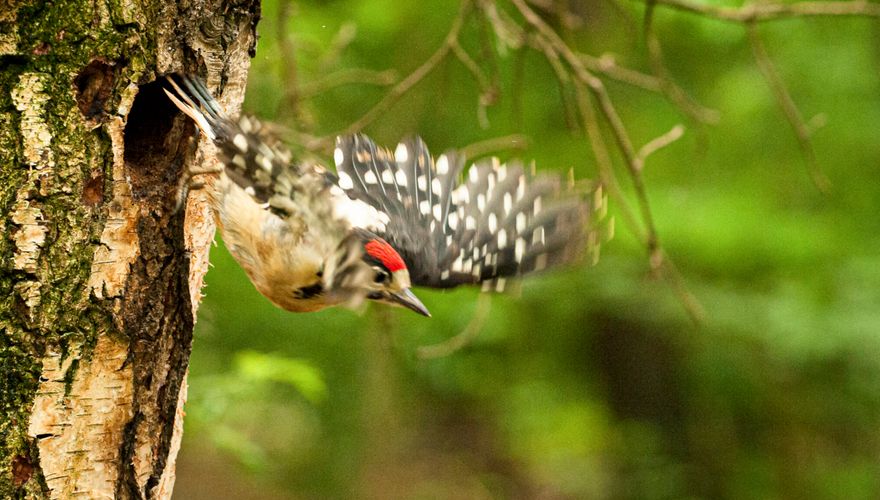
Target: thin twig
x=775, y=11
x=407, y=83
x=607, y=66
x=584, y=79
x=689, y=301
x=488, y=91
x=471, y=65
x=347, y=76
x=668, y=87
x=789, y=108
x=488, y=54
x=552, y=46
x=489, y=146
x=516, y=88
x=288, y=68
x=659, y=143
x=660, y=262
x=563, y=80
x=509, y=33
x=604, y=164
x=330, y=55
x=608, y=111
x=465, y=337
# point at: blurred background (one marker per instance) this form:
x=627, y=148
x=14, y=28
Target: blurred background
x=591, y=382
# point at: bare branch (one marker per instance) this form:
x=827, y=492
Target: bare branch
x=590, y=105
x=606, y=65
x=789, y=108
x=508, y=31
x=659, y=143
x=465, y=337
x=288, y=68
x=407, y=83
x=608, y=111
x=489, y=146
x=562, y=77
x=347, y=77
x=689, y=301
x=668, y=87
x=470, y=64
x=604, y=164
x=516, y=88
x=585, y=82
x=330, y=55
x=775, y=11
x=488, y=90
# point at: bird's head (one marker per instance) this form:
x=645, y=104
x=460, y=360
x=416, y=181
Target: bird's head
x=390, y=281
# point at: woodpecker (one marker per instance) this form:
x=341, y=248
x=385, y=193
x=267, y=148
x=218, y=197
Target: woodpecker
x=384, y=222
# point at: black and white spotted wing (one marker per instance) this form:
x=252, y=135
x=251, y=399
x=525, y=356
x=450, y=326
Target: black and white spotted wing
x=453, y=226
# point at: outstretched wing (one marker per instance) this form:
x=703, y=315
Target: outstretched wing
x=454, y=227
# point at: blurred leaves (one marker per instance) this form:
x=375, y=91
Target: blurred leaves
x=260, y=368
x=251, y=411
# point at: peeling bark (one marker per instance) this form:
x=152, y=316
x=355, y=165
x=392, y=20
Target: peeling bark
x=77, y=427
x=100, y=270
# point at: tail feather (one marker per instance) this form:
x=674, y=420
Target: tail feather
x=253, y=157
x=192, y=101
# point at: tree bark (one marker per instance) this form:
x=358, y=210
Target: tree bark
x=100, y=270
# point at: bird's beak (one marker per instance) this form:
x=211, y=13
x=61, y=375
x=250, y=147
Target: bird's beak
x=409, y=300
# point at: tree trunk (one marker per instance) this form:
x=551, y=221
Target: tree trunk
x=100, y=271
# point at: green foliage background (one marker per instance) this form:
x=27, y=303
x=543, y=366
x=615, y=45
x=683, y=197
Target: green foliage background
x=593, y=382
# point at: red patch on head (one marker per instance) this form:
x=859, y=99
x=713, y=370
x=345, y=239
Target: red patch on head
x=380, y=250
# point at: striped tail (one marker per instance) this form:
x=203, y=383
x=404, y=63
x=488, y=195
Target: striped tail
x=253, y=157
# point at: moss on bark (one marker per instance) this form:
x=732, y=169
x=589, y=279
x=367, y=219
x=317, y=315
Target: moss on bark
x=71, y=73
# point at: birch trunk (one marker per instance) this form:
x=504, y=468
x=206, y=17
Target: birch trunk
x=100, y=271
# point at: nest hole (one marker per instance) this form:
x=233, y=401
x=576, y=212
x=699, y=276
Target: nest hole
x=156, y=141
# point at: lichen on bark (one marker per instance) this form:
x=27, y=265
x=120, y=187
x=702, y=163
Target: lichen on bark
x=99, y=271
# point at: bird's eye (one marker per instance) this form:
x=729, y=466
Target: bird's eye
x=381, y=276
